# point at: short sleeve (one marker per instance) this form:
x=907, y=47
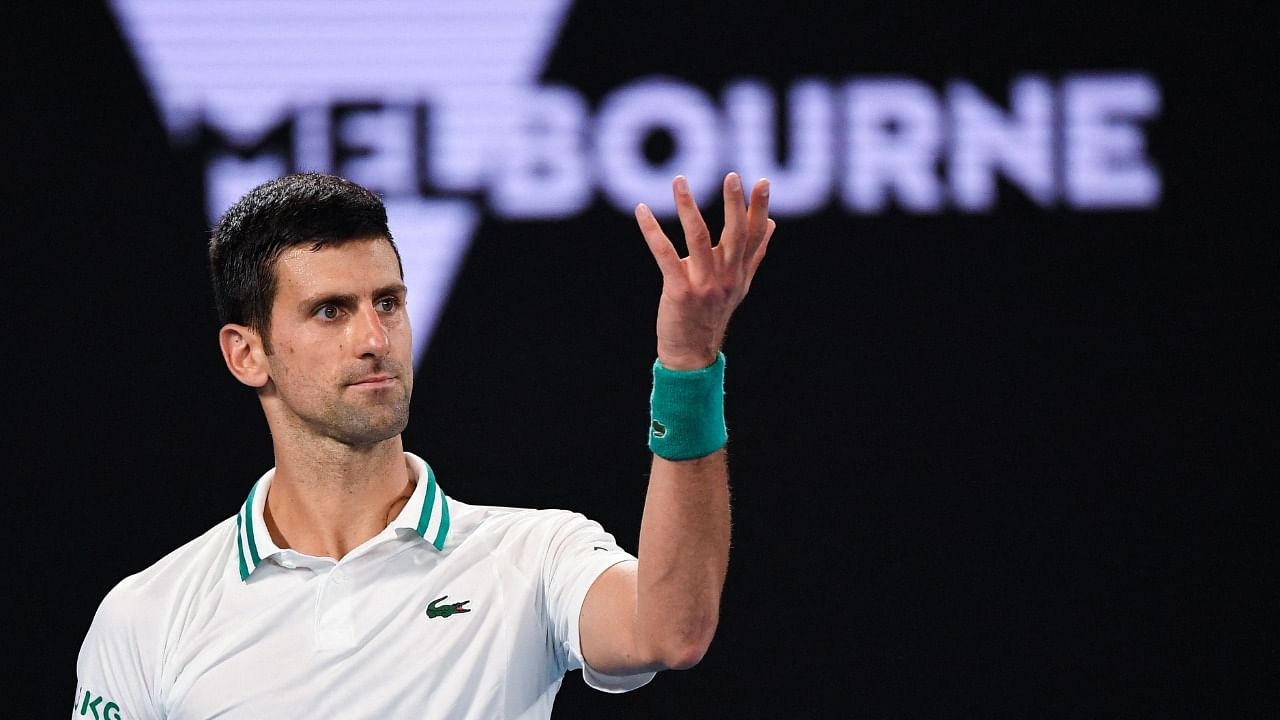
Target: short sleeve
x=580, y=551
x=115, y=672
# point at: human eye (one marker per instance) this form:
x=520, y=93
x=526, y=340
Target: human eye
x=389, y=304
x=328, y=311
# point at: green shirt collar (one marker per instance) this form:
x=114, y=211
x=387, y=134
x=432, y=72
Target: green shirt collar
x=426, y=513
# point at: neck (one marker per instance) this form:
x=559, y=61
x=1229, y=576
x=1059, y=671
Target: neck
x=327, y=501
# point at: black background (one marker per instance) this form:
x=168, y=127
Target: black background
x=1005, y=465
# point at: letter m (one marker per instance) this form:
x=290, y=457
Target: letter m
x=239, y=160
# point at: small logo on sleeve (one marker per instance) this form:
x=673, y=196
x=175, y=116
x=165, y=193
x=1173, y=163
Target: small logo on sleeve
x=435, y=609
x=96, y=706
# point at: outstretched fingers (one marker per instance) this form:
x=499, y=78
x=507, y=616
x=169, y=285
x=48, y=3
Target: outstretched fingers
x=758, y=222
x=747, y=229
x=659, y=244
x=696, y=235
x=733, y=244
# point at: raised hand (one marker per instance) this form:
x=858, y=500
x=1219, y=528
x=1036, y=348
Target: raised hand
x=701, y=291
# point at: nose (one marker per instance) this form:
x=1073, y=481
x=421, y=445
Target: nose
x=370, y=335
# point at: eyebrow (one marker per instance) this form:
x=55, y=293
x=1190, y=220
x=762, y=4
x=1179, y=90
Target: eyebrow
x=348, y=299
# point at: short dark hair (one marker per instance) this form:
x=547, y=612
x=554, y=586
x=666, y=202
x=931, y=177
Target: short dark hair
x=301, y=209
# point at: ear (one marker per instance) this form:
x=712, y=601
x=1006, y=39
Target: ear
x=243, y=353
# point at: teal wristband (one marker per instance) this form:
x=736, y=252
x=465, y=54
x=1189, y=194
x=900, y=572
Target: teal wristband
x=686, y=411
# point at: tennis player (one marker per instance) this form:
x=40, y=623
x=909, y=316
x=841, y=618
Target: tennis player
x=348, y=583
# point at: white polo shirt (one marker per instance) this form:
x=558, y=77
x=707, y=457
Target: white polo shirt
x=452, y=611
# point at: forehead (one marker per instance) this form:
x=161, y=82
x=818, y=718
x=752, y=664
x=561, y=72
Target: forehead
x=352, y=267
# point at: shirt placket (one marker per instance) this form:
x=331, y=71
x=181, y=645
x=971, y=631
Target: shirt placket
x=335, y=611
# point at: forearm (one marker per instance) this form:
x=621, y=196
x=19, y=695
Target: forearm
x=663, y=611
x=684, y=554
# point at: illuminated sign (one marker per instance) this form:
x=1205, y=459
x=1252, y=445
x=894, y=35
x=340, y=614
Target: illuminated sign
x=438, y=107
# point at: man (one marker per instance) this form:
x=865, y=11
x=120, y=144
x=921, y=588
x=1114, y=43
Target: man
x=349, y=584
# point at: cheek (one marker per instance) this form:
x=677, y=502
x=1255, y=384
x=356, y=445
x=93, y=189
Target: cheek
x=401, y=331
x=299, y=369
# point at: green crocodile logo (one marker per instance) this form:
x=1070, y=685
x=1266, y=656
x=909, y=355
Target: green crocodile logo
x=659, y=430
x=434, y=610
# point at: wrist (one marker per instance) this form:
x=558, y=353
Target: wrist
x=686, y=360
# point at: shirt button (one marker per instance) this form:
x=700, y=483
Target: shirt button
x=337, y=577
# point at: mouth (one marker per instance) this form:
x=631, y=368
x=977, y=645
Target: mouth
x=374, y=382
